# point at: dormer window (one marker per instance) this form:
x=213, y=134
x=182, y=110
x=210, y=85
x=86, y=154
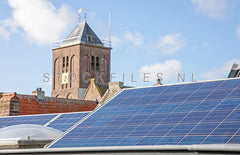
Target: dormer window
x=89, y=38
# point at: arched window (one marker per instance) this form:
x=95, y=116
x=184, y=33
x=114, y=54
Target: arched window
x=72, y=74
x=97, y=63
x=63, y=69
x=69, y=96
x=56, y=70
x=92, y=63
x=63, y=64
x=67, y=63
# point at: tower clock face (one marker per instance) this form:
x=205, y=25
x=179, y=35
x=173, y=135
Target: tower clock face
x=65, y=78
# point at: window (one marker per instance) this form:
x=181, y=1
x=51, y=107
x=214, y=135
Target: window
x=67, y=64
x=89, y=38
x=63, y=64
x=92, y=62
x=67, y=61
x=97, y=63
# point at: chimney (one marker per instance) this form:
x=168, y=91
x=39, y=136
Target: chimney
x=40, y=95
x=158, y=82
x=114, y=85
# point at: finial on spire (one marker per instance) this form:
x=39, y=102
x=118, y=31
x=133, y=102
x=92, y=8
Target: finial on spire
x=84, y=15
x=79, y=15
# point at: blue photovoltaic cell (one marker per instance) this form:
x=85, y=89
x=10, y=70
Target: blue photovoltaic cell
x=234, y=140
x=129, y=141
x=203, y=129
x=191, y=140
x=148, y=141
x=67, y=120
x=228, y=104
x=183, y=114
x=28, y=119
x=170, y=140
x=207, y=105
x=226, y=129
x=216, y=139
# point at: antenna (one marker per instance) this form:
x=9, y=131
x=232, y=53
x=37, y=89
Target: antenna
x=109, y=31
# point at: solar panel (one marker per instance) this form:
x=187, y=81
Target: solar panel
x=62, y=121
x=183, y=114
x=28, y=119
x=67, y=120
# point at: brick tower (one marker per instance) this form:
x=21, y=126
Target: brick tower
x=76, y=60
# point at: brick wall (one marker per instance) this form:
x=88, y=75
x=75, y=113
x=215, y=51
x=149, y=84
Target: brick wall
x=17, y=104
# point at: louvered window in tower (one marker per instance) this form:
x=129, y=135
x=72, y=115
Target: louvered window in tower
x=92, y=63
x=97, y=63
x=89, y=38
x=63, y=64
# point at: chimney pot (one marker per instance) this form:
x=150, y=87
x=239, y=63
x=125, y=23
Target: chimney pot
x=39, y=93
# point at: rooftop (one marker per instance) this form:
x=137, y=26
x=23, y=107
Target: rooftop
x=189, y=117
x=82, y=34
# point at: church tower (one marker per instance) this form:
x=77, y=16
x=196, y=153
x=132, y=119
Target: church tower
x=80, y=57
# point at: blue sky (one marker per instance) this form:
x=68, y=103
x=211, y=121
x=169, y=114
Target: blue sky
x=175, y=36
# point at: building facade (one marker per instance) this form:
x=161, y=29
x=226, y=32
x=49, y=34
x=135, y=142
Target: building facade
x=76, y=60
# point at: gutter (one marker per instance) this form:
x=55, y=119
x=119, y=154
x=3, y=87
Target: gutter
x=188, y=148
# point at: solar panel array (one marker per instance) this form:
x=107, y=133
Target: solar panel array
x=31, y=119
x=193, y=113
x=62, y=121
x=67, y=120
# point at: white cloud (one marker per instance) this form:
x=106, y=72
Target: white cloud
x=169, y=70
x=213, y=8
x=168, y=44
x=221, y=72
x=135, y=38
x=7, y=26
x=171, y=43
x=40, y=21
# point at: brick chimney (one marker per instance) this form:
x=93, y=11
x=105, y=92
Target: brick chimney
x=40, y=95
x=9, y=104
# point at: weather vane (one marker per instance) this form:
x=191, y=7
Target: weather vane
x=80, y=11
